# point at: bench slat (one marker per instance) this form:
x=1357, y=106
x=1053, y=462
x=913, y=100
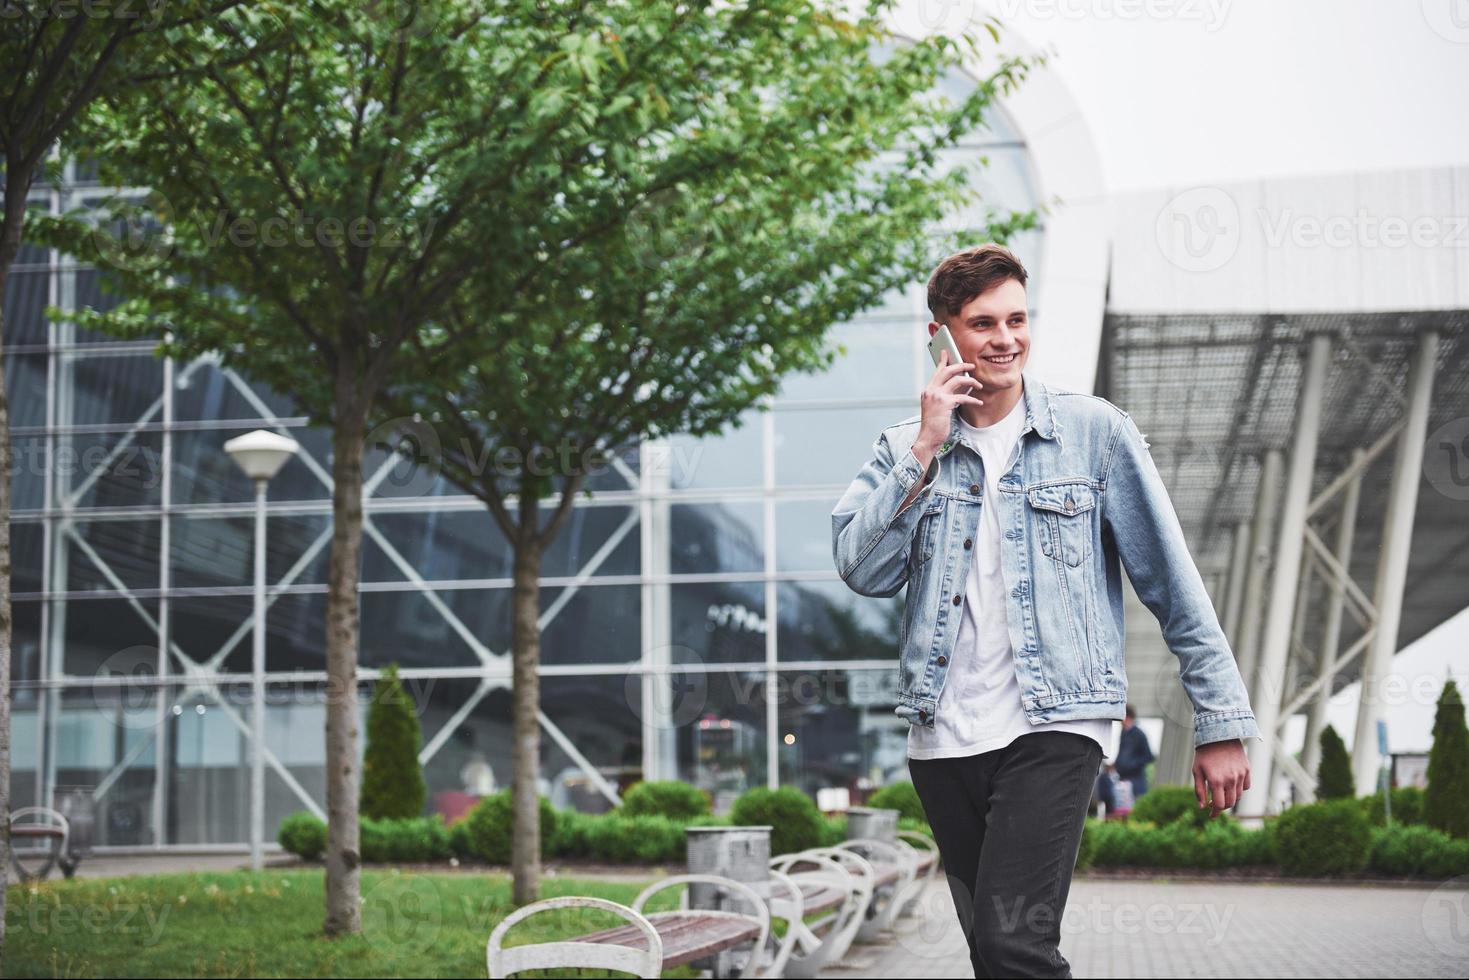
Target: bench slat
x=687, y=936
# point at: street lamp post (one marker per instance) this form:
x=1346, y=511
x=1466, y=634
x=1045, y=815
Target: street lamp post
x=260, y=454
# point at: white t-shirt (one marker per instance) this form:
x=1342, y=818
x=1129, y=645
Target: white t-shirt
x=979, y=706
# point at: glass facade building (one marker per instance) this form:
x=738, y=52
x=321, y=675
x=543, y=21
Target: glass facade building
x=694, y=626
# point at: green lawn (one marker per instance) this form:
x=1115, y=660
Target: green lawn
x=269, y=924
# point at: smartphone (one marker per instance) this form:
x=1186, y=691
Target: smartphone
x=942, y=341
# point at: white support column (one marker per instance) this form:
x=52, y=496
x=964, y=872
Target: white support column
x=1274, y=648
x=1331, y=630
x=1392, y=562
x=1234, y=592
x=1267, y=494
x=659, y=734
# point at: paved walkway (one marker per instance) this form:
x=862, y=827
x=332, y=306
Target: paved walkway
x=1183, y=929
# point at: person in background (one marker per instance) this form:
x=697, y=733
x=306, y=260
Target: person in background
x=1133, y=755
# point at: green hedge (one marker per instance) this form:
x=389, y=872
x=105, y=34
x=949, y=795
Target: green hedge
x=1328, y=837
x=900, y=796
x=795, y=823
x=490, y=825
x=1407, y=806
x=1417, y=850
x=411, y=839
x=665, y=798
x=303, y=834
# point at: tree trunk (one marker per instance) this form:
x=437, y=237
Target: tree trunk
x=525, y=752
x=343, y=854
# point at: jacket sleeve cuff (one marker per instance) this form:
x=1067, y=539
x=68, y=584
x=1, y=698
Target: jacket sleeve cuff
x=1219, y=726
x=908, y=472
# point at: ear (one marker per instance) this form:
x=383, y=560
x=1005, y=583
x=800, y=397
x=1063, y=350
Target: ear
x=933, y=327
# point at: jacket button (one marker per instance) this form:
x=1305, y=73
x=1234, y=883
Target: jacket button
x=922, y=715
x=974, y=489
x=958, y=599
x=968, y=543
x=943, y=660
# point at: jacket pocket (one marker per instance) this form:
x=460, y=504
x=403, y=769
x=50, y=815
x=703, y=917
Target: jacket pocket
x=930, y=531
x=1063, y=514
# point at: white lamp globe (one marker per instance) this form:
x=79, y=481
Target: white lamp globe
x=261, y=453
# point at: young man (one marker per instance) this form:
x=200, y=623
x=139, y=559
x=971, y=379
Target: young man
x=1005, y=506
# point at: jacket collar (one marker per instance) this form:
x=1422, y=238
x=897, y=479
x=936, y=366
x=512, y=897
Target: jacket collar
x=1040, y=411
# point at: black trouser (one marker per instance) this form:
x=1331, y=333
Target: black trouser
x=1008, y=825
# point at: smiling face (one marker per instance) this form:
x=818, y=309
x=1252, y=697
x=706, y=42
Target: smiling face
x=992, y=331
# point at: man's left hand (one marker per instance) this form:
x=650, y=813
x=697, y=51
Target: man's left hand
x=1221, y=771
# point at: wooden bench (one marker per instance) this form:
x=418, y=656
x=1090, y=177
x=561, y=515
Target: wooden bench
x=837, y=883
x=683, y=936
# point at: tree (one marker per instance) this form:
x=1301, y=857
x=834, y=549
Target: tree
x=742, y=178
x=392, y=779
x=1334, y=774
x=58, y=58
x=1446, y=803
x=317, y=202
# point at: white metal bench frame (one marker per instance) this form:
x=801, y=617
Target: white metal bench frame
x=571, y=953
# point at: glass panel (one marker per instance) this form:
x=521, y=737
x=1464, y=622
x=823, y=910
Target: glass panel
x=220, y=551
x=586, y=530
x=828, y=621
x=828, y=446
x=110, y=469
x=600, y=715
x=111, y=552
x=877, y=362
x=718, y=622
x=837, y=730
x=803, y=535
x=295, y=632
x=26, y=545
x=596, y=624
x=716, y=728
x=25, y=381
x=439, y=545
x=25, y=642
x=730, y=459
x=104, y=636
x=716, y=538
x=215, y=632
x=209, y=767
x=407, y=629
x=105, y=744
x=29, y=469
x=113, y=388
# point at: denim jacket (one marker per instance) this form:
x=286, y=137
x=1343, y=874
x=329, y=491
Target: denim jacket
x=1080, y=495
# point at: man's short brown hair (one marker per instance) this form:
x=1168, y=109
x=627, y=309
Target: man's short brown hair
x=964, y=275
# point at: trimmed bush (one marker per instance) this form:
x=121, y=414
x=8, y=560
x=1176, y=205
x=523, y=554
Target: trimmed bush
x=392, y=779
x=665, y=798
x=907, y=823
x=416, y=839
x=1161, y=805
x=459, y=843
x=491, y=825
x=1086, y=854
x=1407, y=807
x=900, y=796
x=1334, y=774
x=1409, y=850
x=1446, y=805
x=795, y=823
x=303, y=835
x=1328, y=837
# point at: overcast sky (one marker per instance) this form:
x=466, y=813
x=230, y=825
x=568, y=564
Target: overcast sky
x=1222, y=90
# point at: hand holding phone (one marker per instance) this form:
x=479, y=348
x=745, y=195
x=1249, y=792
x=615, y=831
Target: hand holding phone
x=949, y=387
